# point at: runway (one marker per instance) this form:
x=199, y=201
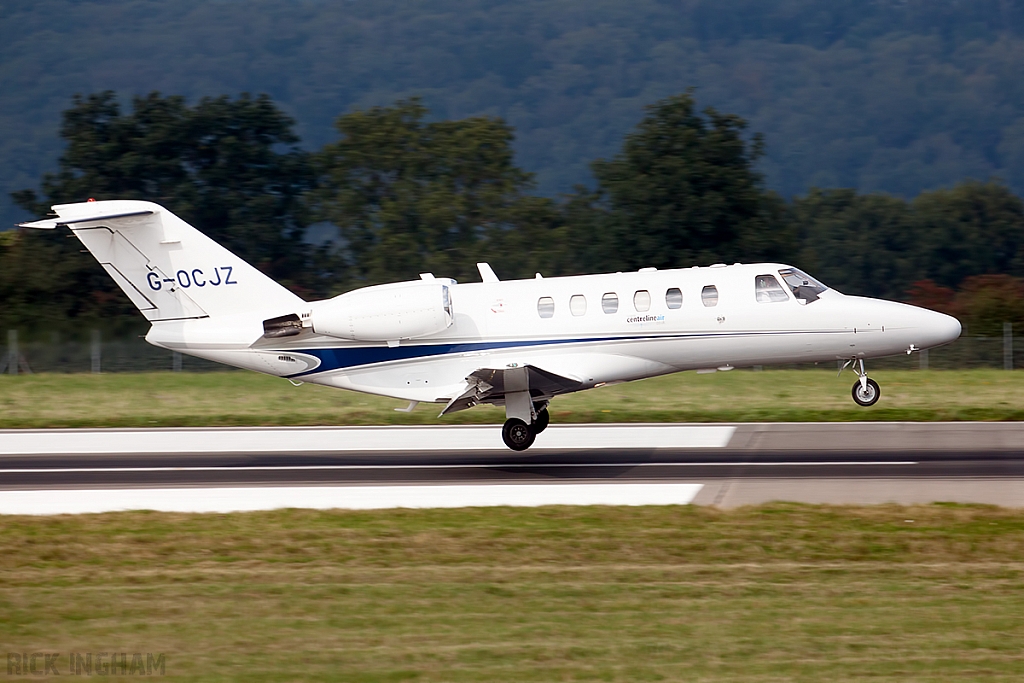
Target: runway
x=725, y=465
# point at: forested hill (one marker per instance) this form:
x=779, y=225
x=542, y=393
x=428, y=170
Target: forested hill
x=886, y=95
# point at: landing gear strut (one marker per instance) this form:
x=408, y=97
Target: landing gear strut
x=525, y=417
x=865, y=391
x=543, y=418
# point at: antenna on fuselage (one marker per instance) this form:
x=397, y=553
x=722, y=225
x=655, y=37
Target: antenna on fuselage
x=486, y=274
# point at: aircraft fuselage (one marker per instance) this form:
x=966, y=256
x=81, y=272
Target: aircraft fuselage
x=603, y=329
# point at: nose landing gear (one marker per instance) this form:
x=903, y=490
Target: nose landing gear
x=865, y=390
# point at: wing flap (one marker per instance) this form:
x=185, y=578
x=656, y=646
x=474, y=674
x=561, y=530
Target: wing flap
x=487, y=385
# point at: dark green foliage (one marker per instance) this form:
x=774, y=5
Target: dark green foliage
x=47, y=285
x=536, y=240
x=859, y=244
x=411, y=197
x=228, y=166
x=889, y=96
x=684, y=191
x=971, y=229
x=878, y=245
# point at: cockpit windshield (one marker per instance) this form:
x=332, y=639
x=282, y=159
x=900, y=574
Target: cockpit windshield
x=805, y=288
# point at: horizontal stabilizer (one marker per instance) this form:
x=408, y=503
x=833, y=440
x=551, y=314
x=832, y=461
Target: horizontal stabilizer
x=51, y=223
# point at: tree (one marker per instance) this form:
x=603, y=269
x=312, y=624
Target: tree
x=410, y=196
x=982, y=304
x=985, y=302
x=859, y=244
x=878, y=245
x=231, y=168
x=929, y=294
x=683, y=191
x=971, y=229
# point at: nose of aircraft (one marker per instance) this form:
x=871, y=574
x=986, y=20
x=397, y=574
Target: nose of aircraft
x=935, y=328
x=914, y=326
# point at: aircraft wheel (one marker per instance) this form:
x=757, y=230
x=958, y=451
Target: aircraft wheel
x=869, y=395
x=517, y=435
x=543, y=418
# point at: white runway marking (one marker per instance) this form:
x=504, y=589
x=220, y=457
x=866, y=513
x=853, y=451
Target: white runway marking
x=529, y=466
x=226, y=499
x=341, y=439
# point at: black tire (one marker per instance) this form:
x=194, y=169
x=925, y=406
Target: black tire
x=517, y=435
x=868, y=397
x=541, y=423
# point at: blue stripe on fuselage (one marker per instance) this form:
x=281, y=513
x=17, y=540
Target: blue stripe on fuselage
x=349, y=357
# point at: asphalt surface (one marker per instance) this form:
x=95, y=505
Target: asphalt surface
x=839, y=463
x=217, y=469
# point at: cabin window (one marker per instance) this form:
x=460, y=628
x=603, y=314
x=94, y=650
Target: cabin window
x=642, y=301
x=578, y=304
x=767, y=289
x=674, y=298
x=709, y=296
x=610, y=302
x=546, y=307
x=805, y=288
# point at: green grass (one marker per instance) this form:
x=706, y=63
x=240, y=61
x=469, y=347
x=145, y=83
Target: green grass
x=239, y=398
x=776, y=593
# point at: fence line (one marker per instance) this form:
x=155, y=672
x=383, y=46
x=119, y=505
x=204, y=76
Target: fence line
x=12, y=352
x=95, y=355
x=1007, y=346
x=135, y=355
x=96, y=352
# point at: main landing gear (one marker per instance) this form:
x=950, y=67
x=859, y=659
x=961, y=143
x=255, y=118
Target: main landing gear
x=524, y=418
x=865, y=390
x=518, y=435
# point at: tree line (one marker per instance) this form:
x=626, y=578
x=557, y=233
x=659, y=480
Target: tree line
x=889, y=95
x=400, y=193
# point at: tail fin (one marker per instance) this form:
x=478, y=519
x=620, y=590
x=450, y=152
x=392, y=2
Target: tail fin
x=169, y=270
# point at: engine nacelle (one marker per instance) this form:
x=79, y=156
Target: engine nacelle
x=404, y=310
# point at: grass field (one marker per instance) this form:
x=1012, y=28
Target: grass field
x=240, y=398
x=776, y=593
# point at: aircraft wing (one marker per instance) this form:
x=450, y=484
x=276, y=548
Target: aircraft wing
x=487, y=385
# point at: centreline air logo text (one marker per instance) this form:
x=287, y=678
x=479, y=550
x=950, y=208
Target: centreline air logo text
x=646, y=319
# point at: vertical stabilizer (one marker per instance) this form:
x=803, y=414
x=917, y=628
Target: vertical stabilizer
x=169, y=270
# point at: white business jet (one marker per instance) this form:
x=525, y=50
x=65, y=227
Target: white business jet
x=515, y=343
